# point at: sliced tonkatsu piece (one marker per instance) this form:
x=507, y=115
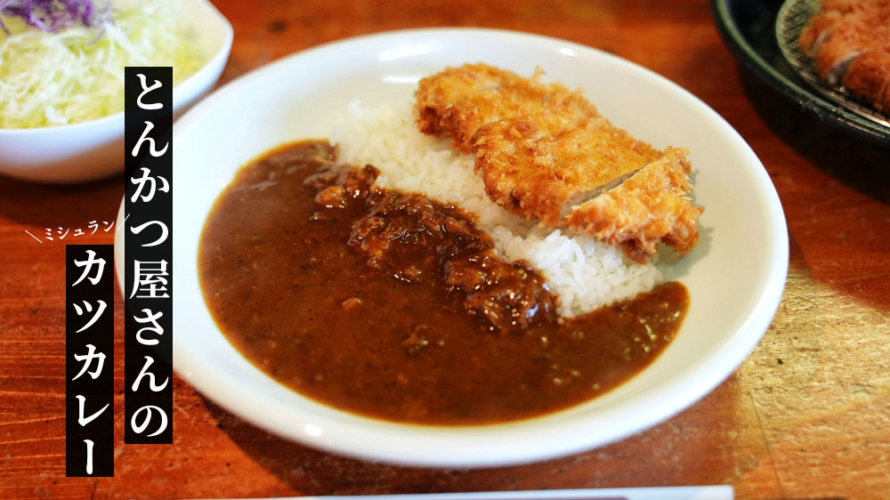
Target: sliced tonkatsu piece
x=869, y=76
x=650, y=207
x=545, y=152
x=831, y=15
x=458, y=101
x=540, y=165
x=849, y=43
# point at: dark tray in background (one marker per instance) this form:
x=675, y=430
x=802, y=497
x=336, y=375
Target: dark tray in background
x=748, y=28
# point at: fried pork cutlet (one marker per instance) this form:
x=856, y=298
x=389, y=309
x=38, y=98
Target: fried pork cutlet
x=651, y=206
x=547, y=154
x=458, y=101
x=540, y=164
x=849, y=41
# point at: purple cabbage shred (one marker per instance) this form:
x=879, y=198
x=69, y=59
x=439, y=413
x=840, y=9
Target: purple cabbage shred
x=54, y=15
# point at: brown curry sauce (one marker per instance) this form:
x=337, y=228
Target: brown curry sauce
x=390, y=305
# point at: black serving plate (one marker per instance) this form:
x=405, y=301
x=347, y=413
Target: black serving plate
x=749, y=29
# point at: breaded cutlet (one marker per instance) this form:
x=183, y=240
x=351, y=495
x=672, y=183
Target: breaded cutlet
x=649, y=207
x=540, y=164
x=547, y=154
x=849, y=42
x=458, y=101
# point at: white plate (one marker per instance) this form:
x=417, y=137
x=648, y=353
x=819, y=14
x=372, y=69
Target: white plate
x=735, y=276
x=94, y=149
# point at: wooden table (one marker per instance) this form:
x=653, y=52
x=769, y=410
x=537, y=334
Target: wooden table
x=807, y=415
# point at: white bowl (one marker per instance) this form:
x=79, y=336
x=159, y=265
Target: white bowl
x=735, y=276
x=94, y=149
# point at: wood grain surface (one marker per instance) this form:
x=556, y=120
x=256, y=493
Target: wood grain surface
x=806, y=416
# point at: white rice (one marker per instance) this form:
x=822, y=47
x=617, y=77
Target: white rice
x=585, y=273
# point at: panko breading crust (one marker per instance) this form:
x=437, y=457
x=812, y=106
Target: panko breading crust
x=458, y=101
x=539, y=165
x=651, y=206
x=546, y=153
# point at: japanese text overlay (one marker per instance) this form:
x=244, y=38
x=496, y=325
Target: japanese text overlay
x=89, y=360
x=148, y=242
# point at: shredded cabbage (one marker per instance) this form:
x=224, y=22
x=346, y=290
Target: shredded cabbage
x=77, y=74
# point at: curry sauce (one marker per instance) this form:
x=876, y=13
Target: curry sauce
x=394, y=306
